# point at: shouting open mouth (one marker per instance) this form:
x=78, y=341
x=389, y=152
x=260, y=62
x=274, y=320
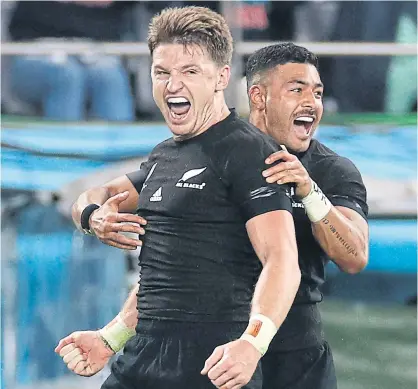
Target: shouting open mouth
x=178, y=107
x=304, y=123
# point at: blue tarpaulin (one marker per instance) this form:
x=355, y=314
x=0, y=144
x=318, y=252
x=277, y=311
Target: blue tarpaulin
x=47, y=158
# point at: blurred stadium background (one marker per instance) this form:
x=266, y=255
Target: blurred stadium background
x=55, y=281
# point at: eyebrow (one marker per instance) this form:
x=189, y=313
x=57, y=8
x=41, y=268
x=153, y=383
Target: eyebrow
x=191, y=65
x=317, y=85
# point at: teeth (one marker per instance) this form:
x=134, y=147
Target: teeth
x=305, y=119
x=177, y=100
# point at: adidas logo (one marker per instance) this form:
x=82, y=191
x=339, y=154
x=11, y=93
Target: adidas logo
x=157, y=196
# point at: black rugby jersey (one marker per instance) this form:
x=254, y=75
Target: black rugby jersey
x=341, y=182
x=197, y=262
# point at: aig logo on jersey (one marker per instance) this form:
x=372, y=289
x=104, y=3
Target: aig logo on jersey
x=183, y=181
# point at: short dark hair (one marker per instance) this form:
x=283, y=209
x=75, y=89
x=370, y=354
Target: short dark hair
x=192, y=25
x=269, y=57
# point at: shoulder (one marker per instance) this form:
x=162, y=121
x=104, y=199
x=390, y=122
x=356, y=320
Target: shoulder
x=251, y=134
x=243, y=137
x=328, y=162
x=238, y=147
x=163, y=146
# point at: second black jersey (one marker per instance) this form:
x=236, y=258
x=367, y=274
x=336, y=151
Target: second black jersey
x=197, y=263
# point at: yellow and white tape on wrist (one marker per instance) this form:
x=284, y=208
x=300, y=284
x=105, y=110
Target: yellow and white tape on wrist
x=117, y=335
x=260, y=332
x=316, y=204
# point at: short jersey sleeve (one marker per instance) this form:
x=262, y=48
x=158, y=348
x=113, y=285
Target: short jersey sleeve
x=248, y=188
x=346, y=187
x=138, y=177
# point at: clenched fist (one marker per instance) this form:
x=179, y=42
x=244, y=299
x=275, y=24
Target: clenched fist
x=232, y=365
x=84, y=352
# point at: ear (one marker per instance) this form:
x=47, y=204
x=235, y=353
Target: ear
x=224, y=74
x=256, y=95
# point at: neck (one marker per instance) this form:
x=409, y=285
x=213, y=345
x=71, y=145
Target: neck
x=219, y=112
x=212, y=115
x=258, y=120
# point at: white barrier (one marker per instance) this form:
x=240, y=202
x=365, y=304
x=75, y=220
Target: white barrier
x=241, y=48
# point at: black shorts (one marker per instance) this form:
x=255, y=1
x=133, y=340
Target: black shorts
x=310, y=368
x=170, y=355
x=298, y=356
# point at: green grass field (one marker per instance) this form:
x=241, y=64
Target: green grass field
x=375, y=347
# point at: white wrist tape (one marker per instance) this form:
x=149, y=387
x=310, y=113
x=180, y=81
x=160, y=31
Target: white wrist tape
x=117, y=335
x=316, y=204
x=260, y=332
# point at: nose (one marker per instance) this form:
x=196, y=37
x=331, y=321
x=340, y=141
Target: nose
x=174, y=83
x=309, y=99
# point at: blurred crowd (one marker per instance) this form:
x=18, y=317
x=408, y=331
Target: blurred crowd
x=97, y=86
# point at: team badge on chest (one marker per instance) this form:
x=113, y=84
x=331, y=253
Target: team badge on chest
x=183, y=182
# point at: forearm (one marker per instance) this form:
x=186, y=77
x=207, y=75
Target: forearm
x=276, y=289
x=340, y=231
x=116, y=333
x=97, y=196
x=129, y=311
x=342, y=240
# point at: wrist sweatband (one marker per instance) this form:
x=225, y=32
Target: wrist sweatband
x=117, y=335
x=85, y=217
x=260, y=332
x=316, y=204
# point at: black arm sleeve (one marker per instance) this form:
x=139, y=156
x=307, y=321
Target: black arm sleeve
x=248, y=188
x=138, y=177
x=346, y=187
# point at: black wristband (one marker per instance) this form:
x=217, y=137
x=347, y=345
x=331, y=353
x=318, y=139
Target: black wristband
x=85, y=217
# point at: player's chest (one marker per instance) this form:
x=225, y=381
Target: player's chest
x=181, y=188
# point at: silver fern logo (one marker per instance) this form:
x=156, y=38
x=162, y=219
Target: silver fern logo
x=187, y=176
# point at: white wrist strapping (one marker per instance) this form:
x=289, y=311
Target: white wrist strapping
x=117, y=335
x=260, y=332
x=316, y=204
